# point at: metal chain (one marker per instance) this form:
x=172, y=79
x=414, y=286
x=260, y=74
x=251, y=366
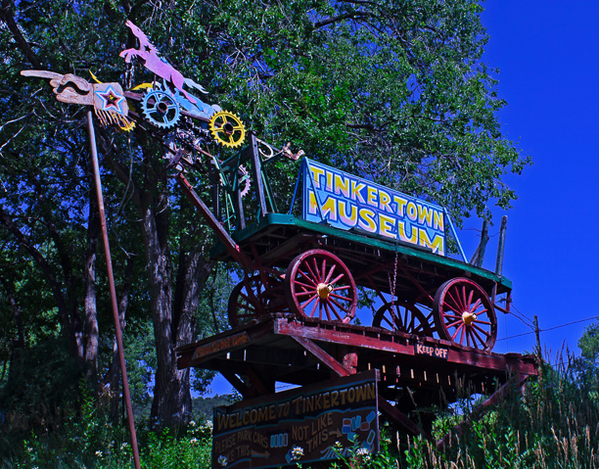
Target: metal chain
x=393, y=285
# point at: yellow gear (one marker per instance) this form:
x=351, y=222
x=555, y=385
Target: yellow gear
x=227, y=129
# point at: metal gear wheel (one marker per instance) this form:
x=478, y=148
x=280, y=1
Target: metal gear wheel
x=183, y=139
x=160, y=109
x=227, y=129
x=244, y=180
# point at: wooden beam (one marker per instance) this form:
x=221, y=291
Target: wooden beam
x=323, y=356
x=401, y=418
x=261, y=386
x=238, y=384
x=501, y=393
x=230, y=245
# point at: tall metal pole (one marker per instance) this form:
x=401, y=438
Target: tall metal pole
x=115, y=309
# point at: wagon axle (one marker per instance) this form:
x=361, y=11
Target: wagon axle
x=324, y=290
x=468, y=317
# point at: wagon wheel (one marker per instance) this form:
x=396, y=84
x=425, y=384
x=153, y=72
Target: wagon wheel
x=404, y=317
x=319, y=284
x=464, y=314
x=251, y=298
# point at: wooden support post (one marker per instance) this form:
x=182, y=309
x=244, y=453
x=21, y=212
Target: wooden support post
x=538, y=337
x=478, y=257
x=115, y=310
x=215, y=192
x=501, y=246
x=238, y=204
x=257, y=174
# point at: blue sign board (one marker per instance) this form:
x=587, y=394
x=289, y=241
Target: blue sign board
x=309, y=424
x=349, y=202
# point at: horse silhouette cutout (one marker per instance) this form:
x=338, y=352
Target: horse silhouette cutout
x=148, y=55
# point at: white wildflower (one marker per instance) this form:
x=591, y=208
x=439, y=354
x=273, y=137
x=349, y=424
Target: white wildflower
x=222, y=461
x=363, y=454
x=99, y=453
x=297, y=452
x=192, y=423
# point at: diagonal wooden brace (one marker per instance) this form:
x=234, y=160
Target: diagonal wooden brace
x=230, y=245
x=516, y=381
x=401, y=418
x=323, y=356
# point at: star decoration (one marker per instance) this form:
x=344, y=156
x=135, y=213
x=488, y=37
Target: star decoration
x=111, y=101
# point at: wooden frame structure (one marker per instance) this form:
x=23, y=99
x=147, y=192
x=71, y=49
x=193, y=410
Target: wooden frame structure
x=414, y=370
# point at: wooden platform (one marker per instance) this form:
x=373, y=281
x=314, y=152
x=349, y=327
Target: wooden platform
x=421, y=370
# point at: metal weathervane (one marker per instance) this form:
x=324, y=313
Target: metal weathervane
x=180, y=121
x=183, y=124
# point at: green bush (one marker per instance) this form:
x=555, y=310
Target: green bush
x=553, y=423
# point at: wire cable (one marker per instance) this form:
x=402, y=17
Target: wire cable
x=514, y=336
x=569, y=323
x=551, y=328
x=530, y=321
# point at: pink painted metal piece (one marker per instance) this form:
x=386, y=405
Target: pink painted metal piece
x=152, y=61
x=69, y=88
x=108, y=99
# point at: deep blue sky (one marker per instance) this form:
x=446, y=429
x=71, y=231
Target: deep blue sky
x=546, y=53
x=548, y=73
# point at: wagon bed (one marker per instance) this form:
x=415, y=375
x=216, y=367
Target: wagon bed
x=276, y=239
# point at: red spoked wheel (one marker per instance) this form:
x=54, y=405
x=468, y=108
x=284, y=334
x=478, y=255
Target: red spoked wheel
x=251, y=298
x=464, y=314
x=404, y=317
x=318, y=284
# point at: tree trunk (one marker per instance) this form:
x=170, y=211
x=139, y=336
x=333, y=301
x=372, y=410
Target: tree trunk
x=90, y=320
x=114, y=372
x=172, y=396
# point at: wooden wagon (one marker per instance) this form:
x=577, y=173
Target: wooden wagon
x=308, y=266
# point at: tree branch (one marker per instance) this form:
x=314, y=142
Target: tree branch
x=7, y=221
x=8, y=18
x=345, y=16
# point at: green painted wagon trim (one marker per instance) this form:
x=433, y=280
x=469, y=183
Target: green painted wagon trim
x=278, y=219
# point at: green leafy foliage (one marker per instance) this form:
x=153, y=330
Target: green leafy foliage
x=552, y=424
x=395, y=91
x=87, y=439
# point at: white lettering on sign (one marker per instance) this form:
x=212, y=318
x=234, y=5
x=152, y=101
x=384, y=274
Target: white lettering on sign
x=431, y=351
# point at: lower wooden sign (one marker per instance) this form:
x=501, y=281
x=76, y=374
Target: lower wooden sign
x=307, y=424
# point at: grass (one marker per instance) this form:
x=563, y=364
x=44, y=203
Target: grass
x=554, y=423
